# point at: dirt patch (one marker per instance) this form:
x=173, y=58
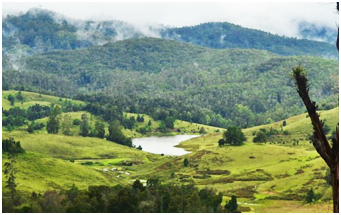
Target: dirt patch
x=214, y=172
x=245, y=192
x=300, y=171
x=201, y=153
x=257, y=175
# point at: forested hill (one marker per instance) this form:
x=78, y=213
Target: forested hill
x=39, y=31
x=162, y=77
x=227, y=35
x=145, y=55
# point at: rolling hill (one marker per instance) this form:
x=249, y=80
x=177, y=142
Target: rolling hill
x=186, y=80
x=265, y=177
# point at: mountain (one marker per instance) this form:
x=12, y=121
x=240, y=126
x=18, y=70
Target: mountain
x=312, y=31
x=39, y=31
x=159, y=77
x=227, y=35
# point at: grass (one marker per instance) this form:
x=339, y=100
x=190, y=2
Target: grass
x=37, y=172
x=265, y=177
x=31, y=98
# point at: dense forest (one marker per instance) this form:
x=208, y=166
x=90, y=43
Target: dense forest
x=38, y=31
x=168, y=78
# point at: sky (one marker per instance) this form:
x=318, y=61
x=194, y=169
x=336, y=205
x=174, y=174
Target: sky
x=274, y=17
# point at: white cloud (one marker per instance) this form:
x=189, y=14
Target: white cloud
x=277, y=18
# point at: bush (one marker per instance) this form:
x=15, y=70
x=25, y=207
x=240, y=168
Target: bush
x=76, y=122
x=12, y=147
x=186, y=162
x=260, y=137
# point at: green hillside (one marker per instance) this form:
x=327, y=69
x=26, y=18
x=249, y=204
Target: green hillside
x=226, y=35
x=231, y=87
x=265, y=177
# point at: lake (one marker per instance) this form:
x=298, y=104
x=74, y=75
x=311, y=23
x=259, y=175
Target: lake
x=163, y=145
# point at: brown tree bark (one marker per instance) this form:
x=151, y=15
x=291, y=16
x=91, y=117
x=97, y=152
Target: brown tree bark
x=330, y=154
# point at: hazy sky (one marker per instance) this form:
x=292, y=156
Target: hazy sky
x=273, y=17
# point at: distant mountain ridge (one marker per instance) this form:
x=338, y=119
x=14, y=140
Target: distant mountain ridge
x=39, y=31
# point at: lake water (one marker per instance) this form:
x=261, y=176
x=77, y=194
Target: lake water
x=163, y=145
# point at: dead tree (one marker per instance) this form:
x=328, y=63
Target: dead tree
x=329, y=153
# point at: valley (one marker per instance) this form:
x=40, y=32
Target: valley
x=89, y=106
x=259, y=174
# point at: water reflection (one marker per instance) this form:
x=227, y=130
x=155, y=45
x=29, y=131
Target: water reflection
x=163, y=145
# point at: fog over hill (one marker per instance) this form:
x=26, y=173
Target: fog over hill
x=40, y=30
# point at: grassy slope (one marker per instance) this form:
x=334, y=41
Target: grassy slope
x=32, y=99
x=266, y=183
x=279, y=172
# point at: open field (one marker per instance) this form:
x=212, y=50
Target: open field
x=31, y=98
x=265, y=177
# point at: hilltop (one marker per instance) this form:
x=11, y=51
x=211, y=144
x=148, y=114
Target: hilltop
x=39, y=31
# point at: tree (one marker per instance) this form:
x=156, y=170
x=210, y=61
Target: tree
x=202, y=130
x=221, y=142
x=11, y=99
x=169, y=122
x=310, y=196
x=162, y=126
x=30, y=127
x=330, y=154
x=85, y=126
x=116, y=134
x=9, y=172
x=186, y=162
x=53, y=123
x=137, y=185
x=99, y=127
x=284, y=123
x=260, y=137
x=234, y=136
x=232, y=206
x=66, y=125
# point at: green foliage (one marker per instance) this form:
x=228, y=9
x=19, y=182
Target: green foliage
x=186, y=162
x=84, y=126
x=11, y=99
x=232, y=206
x=35, y=126
x=162, y=126
x=227, y=35
x=184, y=91
x=234, y=136
x=66, y=125
x=76, y=122
x=116, y=135
x=53, y=123
x=202, y=130
x=11, y=146
x=260, y=137
x=221, y=142
x=9, y=172
x=99, y=127
x=310, y=196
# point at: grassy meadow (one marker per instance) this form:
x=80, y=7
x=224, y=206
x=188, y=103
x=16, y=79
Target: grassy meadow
x=265, y=177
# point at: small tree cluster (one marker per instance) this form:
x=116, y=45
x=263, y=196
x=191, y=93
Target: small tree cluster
x=232, y=136
x=11, y=146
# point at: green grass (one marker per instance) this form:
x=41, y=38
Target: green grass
x=184, y=126
x=37, y=172
x=31, y=98
x=265, y=177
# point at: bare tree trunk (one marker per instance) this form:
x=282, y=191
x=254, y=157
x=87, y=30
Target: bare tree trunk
x=329, y=154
